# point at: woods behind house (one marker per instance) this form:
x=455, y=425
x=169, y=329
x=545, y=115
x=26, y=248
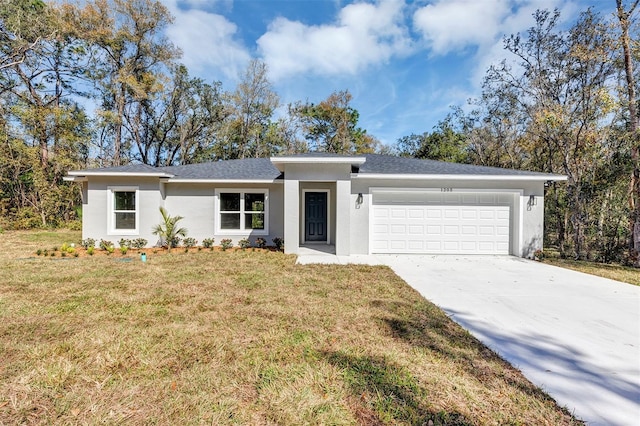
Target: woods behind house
x=97, y=84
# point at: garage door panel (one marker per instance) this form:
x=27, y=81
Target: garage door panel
x=416, y=230
x=469, y=214
x=454, y=227
x=398, y=213
x=415, y=214
x=416, y=245
x=469, y=230
x=434, y=230
x=398, y=229
x=502, y=230
x=450, y=213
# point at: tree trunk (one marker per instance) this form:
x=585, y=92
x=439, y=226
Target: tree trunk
x=117, y=142
x=634, y=187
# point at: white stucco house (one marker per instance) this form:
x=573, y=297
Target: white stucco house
x=355, y=204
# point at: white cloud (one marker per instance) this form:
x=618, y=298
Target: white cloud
x=518, y=21
x=364, y=34
x=450, y=25
x=208, y=41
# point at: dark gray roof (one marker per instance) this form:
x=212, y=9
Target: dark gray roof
x=129, y=168
x=388, y=164
x=248, y=168
x=263, y=168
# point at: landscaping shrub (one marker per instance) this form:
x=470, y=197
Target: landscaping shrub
x=139, y=243
x=208, y=242
x=88, y=242
x=226, y=243
x=189, y=242
x=278, y=242
x=105, y=244
x=244, y=243
x=261, y=242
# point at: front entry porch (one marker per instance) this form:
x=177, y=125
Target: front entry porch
x=315, y=249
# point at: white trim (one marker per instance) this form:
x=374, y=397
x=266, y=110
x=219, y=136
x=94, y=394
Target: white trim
x=233, y=181
x=278, y=162
x=321, y=160
x=517, y=204
x=75, y=178
x=460, y=177
x=452, y=190
x=111, y=229
x=86, y=173
x=304, y=219
x=242, y=191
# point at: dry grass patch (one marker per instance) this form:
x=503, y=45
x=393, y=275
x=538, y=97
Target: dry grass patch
x=625, y=274
x=240, y=338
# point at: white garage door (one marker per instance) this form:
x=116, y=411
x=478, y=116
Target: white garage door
x=446, y=223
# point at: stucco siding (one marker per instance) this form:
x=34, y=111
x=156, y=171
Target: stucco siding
x=526, y=219
x=196, y=202
x=96, y=211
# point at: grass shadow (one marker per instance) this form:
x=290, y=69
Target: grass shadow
x=385, y=393
x=430, y=328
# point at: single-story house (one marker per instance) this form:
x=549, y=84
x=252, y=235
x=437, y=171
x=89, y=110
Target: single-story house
x=355, y=204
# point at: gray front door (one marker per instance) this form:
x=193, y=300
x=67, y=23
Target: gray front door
x=315, y=216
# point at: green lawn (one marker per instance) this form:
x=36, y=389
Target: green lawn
x=238, y=338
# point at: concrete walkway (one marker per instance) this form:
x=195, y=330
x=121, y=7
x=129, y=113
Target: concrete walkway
x=575, y=335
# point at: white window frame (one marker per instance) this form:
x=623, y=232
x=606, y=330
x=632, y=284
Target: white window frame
x=111, y=212
x=242, y=192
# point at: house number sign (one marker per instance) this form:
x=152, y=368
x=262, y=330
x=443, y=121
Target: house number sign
x=446, y=189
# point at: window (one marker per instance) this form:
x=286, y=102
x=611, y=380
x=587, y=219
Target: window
x=242, y=211
x=123, y=210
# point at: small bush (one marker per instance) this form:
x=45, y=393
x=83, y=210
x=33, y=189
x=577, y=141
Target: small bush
x=208, y=242
x=174, y=242
x=124, y=242
x=39, y=252
x=76, y=254
x=68, y=248
x=226, y=243
x=189, y=242
x=54, y=248
x=124, y=249
x=261, y=242
x=88, y=242
x=110, y=249
x=105, y=244
x=90, y=250
x=139, y=243
x=244, y=243
x=278, y=242
x=63, y=253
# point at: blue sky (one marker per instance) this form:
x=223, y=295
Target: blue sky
x=405, y=62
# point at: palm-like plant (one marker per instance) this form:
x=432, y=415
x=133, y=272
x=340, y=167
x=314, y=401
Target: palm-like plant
x=168, y=230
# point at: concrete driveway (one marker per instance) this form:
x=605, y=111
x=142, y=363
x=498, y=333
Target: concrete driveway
x=575, y=335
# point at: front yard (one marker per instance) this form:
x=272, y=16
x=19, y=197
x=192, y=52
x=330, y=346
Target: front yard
x=238, y=338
